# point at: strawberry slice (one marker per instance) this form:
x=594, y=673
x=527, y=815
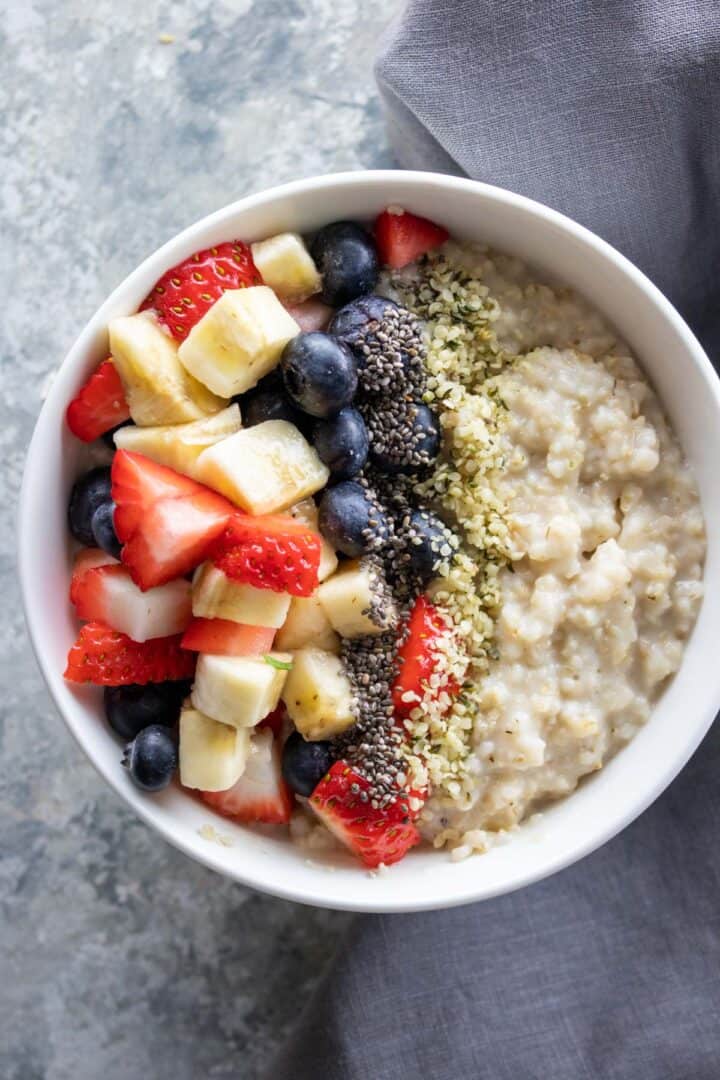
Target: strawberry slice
x=86, y=560
x=99, y=406
x=270, y=552
x=108, y=595
x=226, y=638
x=260, y=794
x=377, y=836
x=166, y=522
x=402, y=237
x=420, y=657
x=187, y=291
x=107, y=658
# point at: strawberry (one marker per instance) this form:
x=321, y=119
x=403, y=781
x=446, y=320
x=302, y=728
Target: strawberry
x=86, y=560
x=187, y=291
x=402, y=237
x=376, y=836
x=99, y=406
x=225, y=638
x=419, y=657
x=260, y=794
x=107, y=594
x=166, y=522
x=311, y=314
x=107, y=658
x=269, y=552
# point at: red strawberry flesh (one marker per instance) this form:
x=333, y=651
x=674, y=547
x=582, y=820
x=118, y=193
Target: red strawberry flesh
x=420, y=657
x=106, y=657
x=222, y=637
x=99, y=406
x=402, y=237
x=269, y=552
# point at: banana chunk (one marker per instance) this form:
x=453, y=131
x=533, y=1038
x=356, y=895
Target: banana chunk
x=238, y=341
x=215, y=596
x=157, y=387
x=307, y=624
x=285, y=264
x=307, y=512
x=239, y=690
x=318, y=694
x=357, y=600
x=263, y=469
x=212, y=755
x=180, y=445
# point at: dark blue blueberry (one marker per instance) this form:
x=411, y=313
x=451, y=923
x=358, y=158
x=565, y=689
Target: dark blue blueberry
x=342, y=443
x=417, y=450
x=129, y=709
x=304, y=763
x=346, y=257
x=320, y=373
x=88, y=493
x=357, y=323
x=433, y=535
x=108, y=439
x=103, y=529
x=268, y=401
x=350, y=521
x=151, y=758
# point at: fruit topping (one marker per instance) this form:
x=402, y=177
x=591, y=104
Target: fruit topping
x=108, y=658
x=222, y=637
x=166, y=522
x=320, y=373
x=215, y=596
x=387, y=342
x=88, y=493
x=157, y=387
x=107, y=594
x=307, y=512
x=268, y=401
x=428, y=543
x=402, y=237
x=286, y=266
x=239, y=340
x=151, y=758
x=260, y=794
x=342, y=443
x=130, y=709
x=346, y=257
x=357, y=600
x=311, y=315
x=318, y=694
x=180, y=445
x=376, y=835
x=109, y=436
x=269, y=552
x=352, y=520
x=420, y=657
x=213, y=756
x=99, y=406
x=239, y=690
x=103, y=529
x=404, y=438
x=304, y=763
x=263, y=469
x=187, y=291
x=307, y=624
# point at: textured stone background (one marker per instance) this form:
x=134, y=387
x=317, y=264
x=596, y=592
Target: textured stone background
x=120, y=958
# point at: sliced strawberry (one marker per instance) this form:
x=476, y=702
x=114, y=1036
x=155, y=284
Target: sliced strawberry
x=107, y=594
x=311, y=314
x=419, y=657
x=85, y=560
x=275, y=721
x=99, y=406
x=270, y=552
x=402, y=237
x=376, y=836
x=107, y=658
x=187, y=291
x=260, y=794
x=166, y=521
x=225, y=638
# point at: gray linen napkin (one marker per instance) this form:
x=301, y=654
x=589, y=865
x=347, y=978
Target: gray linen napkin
x=608, y=971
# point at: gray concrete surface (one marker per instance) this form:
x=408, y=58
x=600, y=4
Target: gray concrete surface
x=119, y=958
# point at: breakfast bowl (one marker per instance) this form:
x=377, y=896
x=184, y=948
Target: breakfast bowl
x=604, y=802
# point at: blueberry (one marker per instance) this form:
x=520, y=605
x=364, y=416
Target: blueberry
x=320, y=373
x=108, y=439
x=89, y=492
x=357, y=322
x=342, y=443
x=103, y=529
x=304, y=763
x=350, y=520
x=414, y=452
x=151, y=758
x=129, y=709
x=346, y=257
x=268, y=401
x=433, y=535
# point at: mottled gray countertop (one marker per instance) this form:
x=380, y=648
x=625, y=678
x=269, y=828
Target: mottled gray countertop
x=120, y=124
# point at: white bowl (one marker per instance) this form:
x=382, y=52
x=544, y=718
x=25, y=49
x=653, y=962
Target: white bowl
x=605, y=803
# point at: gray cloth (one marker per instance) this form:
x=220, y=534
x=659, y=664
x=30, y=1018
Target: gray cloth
x=608, y=971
